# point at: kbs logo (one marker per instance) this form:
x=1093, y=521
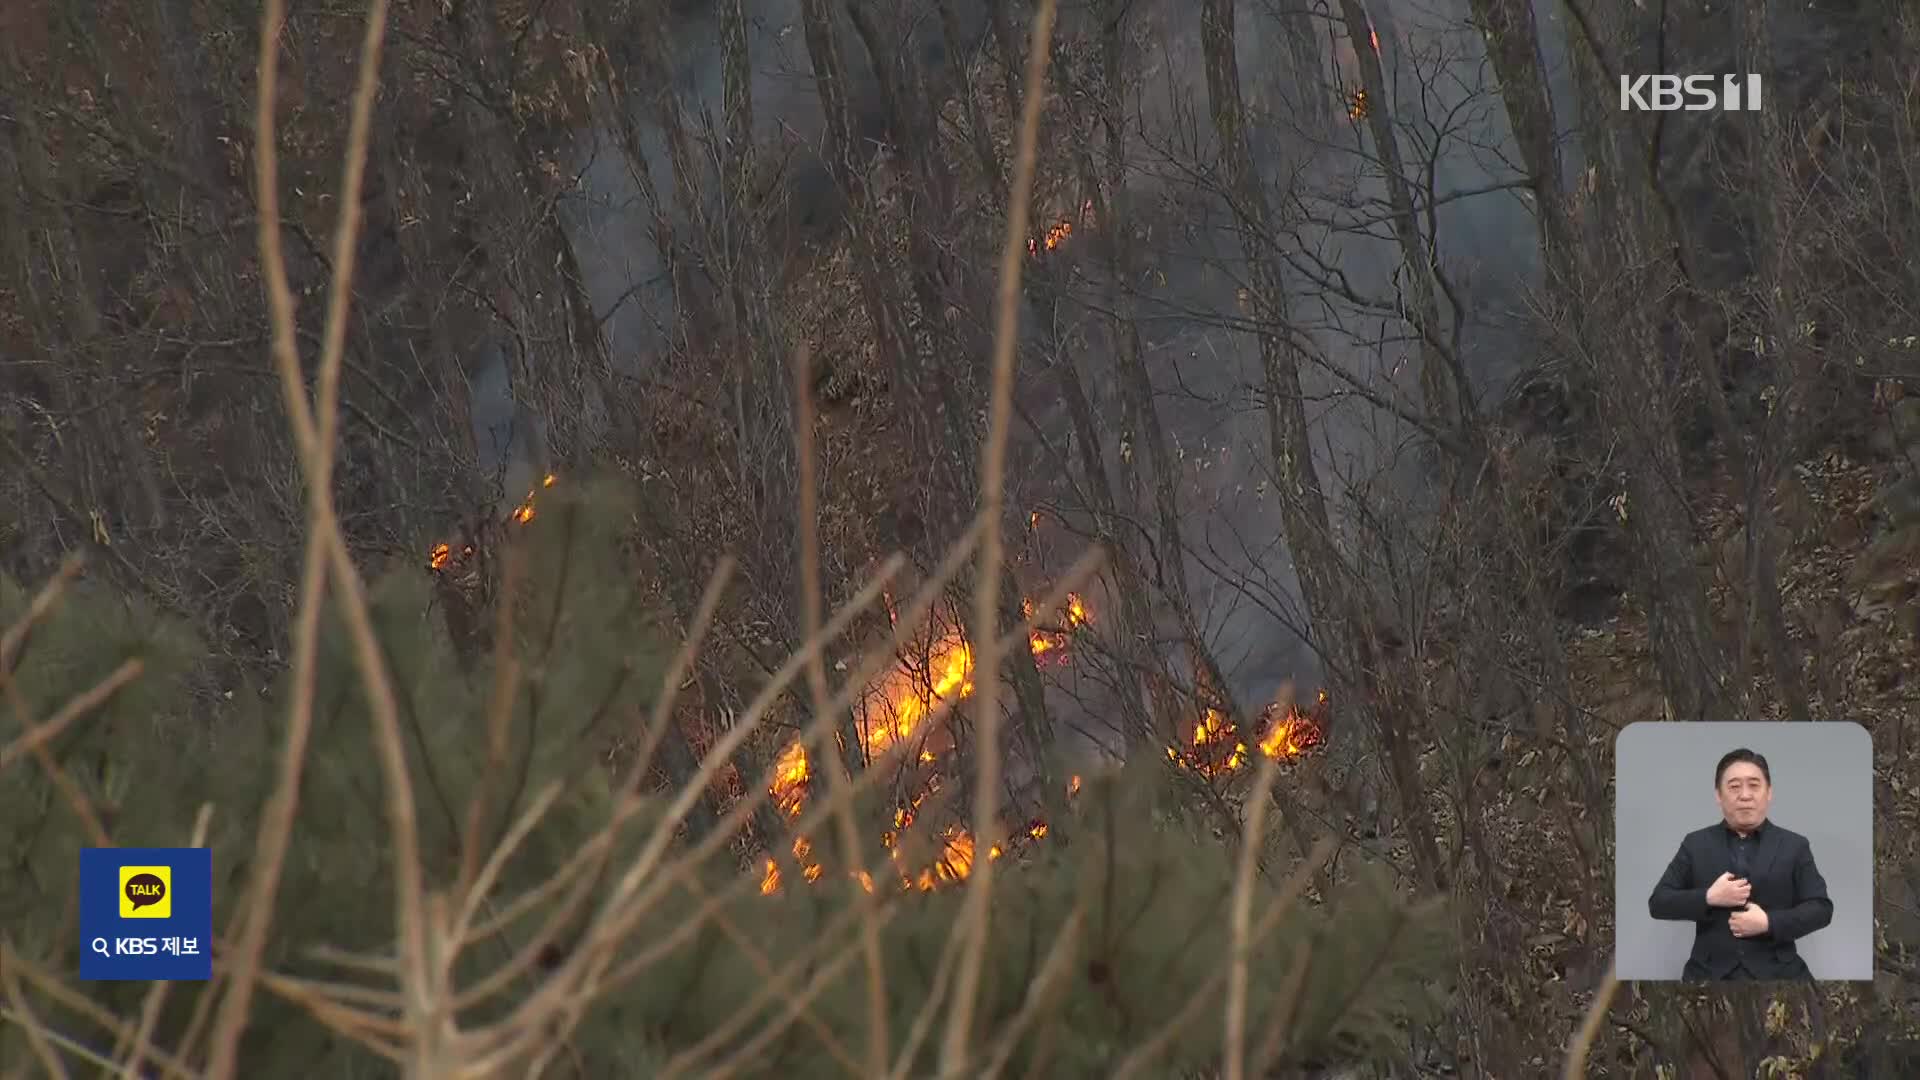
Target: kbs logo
x=1690, y=93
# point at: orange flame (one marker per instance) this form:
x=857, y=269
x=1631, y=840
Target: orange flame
x=897, y=704
x=1059, y=232
x=1217, y=749
x=441, y=554
x=791, y=774
x=1049, y=643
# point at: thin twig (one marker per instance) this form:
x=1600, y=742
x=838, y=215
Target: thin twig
x=23, y=1015
x=506, y=688
x=35, y=738
x=47, y=985
x=489, y=871
x=780, y=978
x=619, y=920
x=75, y=796
x=37, y=611
x=772, y=1030
x=1241, y=947
x=813, y=602
x=825, y=944
x=724, y=748
x=300, y=991
x=156, y=997
x=922, y=1026
x=42, y=606
x=1286, y=1009
x=986, y=598
x=1582, y=1045
x=639, y=887
x=314, y=432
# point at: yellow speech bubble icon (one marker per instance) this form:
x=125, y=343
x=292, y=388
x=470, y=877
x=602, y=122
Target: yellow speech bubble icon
x=146, y=892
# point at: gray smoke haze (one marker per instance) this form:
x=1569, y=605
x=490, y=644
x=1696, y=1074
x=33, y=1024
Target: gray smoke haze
x=611, y=223
x=1449, y=112
x=1206, y=373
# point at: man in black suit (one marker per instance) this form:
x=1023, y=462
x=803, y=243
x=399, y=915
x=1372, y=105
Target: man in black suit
x=1749, y=886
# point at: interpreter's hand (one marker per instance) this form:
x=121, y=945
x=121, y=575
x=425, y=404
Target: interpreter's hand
x=1728, y=891
x=1749, y=921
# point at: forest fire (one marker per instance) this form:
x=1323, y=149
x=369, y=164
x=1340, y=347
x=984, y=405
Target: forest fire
x=441, y=554
x=892, y=713
x=1050, y=645
x=900, y=700
x=524, y=512
x=1357, y=107
x=1058, y=233
x=1054, y=238
x=1217, y=748
x=894, y=706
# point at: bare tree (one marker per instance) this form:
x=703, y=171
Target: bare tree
x=1332, y=600
x=1443, y=382
x=1637, y=380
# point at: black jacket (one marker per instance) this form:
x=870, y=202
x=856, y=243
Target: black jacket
x=1786, y=885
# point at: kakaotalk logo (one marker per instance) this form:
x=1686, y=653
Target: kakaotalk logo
x=1689, y=93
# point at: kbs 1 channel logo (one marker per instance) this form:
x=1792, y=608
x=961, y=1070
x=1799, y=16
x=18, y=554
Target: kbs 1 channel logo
x=1690, y=93
x=146, y=913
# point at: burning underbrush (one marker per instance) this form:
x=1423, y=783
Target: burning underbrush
x=699, y=964
x=443, y=555
x=1060, y=231
x=1217, y=748
x=893, y=719
x=892, y=722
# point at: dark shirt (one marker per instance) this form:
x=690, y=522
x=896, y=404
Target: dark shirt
x=1740, y=851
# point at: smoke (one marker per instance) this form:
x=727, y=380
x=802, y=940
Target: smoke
x=611, y=224
x=1206, y=372
x=506, y=436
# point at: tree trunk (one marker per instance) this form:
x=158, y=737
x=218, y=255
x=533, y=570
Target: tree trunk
x=1135, y=625
x=940, y=395
x=618, y=106
x=559, y=362
x=1785, y=433
x=884, y=310
x=1108, y=187
x=1304, y=518
x=1636, y=249
x=979, y=132
x=1443, y=383
x=1513, y=47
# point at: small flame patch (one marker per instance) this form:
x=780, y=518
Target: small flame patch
x=440, y=556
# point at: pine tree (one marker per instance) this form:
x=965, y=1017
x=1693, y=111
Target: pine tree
x=1139, y=894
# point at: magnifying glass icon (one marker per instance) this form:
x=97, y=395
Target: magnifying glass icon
x=100, y=946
